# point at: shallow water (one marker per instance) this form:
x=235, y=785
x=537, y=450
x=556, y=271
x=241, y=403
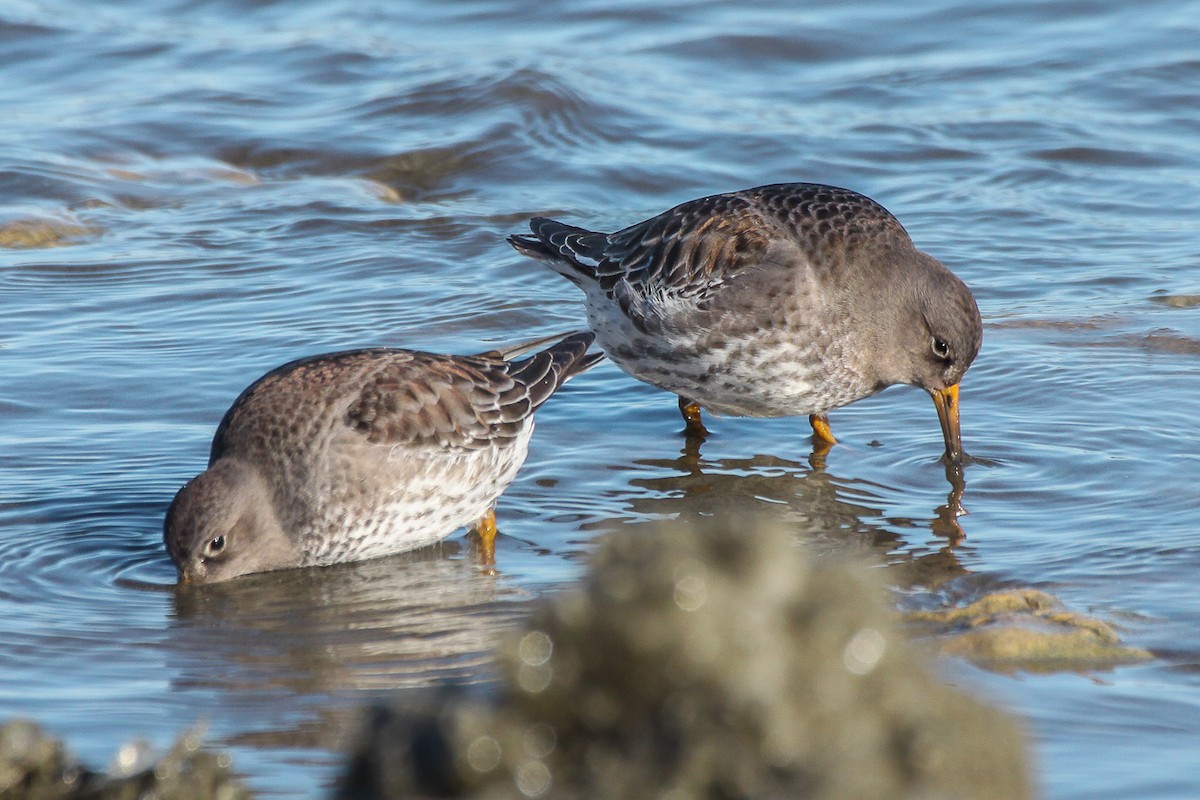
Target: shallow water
x=192, y=193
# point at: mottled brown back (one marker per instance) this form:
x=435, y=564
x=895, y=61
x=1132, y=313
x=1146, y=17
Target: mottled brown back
x=403, y=397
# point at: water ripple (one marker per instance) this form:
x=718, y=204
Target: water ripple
x=195, y=192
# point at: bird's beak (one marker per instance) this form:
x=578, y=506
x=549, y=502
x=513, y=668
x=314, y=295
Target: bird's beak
x=191, y=574
x=946, y=401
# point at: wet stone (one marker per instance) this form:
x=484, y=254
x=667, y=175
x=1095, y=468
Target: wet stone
x=33, y=233
x=699, y=663
x=1026, y=629
x=34, y=766
x=1177, y=300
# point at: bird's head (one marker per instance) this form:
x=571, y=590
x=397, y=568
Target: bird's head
x=222, y=525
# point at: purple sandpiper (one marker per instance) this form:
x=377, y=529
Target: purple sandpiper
x=781, y=300
x=364, y=453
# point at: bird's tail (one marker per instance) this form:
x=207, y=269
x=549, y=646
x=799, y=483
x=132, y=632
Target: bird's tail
x=566, y=248
x=543, y=373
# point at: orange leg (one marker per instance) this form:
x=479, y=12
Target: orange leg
x=691, y=415
x=822, y=435
x=485, y=529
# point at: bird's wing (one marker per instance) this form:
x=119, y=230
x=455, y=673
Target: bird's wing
x=691, y=250
x=467, y=402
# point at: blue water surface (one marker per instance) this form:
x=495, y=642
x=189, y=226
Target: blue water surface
x=195, y=192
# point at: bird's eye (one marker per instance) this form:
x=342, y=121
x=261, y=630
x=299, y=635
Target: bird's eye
x=215, y=545
x=941, y=350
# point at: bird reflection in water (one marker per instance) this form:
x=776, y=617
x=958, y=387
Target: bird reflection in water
x=831, y=514
x=381, y=624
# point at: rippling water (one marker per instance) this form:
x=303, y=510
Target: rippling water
x=194, y=192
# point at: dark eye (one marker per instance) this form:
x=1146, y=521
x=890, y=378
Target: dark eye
x=941, y=350
x=215, y=545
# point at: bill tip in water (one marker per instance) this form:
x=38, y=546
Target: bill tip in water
x=946, y=402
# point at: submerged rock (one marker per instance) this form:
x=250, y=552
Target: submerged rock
x=1176, y=300
x=31, y=233
x=700, y=663
x=1026, y=629
x=34, y=766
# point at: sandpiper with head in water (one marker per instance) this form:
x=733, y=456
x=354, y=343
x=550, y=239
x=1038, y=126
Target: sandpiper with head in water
x=365, y=453
x=775, y=301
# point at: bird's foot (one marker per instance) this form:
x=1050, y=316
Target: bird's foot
x=485, y=531
x=822, y=435
x=693, y=427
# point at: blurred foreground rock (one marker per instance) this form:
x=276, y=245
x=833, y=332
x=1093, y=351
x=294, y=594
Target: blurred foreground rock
x=700, y=664
x=34, y=766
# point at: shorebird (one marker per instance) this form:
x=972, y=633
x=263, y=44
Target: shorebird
x=364, y=453
x=780, y=300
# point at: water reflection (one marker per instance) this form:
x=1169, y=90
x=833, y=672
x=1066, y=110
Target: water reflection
x=830, y=514
x=375, y=625
x=433, y=615
x=945, y=523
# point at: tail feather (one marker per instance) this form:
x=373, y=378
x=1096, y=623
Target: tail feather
x=584, y=364
x=509, y=352
x=543, y=373
x=562, y=247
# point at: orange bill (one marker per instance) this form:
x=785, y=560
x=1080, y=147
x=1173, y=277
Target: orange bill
x=946, y=401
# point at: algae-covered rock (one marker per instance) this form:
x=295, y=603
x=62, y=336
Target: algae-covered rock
x=34, y=766
x=31, y=233
x=700, y=663
x=1176, y=300
x=1026, y=629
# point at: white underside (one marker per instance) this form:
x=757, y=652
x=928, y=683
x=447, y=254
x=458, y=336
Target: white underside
x=416, y=497
x=766, y=377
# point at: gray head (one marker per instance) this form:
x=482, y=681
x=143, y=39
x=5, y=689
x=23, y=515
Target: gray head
x=933, y=334
x=943, y=328
x=222, y=525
